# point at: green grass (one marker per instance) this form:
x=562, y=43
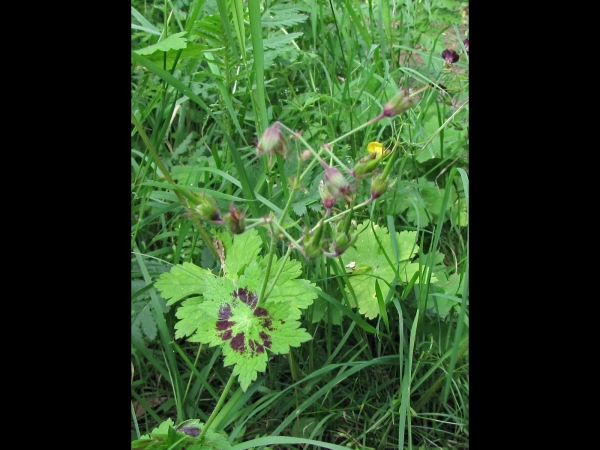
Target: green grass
x=323, y=69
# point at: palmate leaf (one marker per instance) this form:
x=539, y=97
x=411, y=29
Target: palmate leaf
x=229, y=314
x=426, y=198
x=419, y=200
x=453, y=140
x=231, y=317
x=370, y=264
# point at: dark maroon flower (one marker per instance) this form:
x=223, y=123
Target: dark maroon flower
x=466, y=42
x=450, y=56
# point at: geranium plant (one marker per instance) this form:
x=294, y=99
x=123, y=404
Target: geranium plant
x=247, y=311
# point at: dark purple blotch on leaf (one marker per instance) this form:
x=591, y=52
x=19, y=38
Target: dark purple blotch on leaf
x=266, y=323
x=266, y=339
x=225, y=312
x=222, y=325
x=190, y=431
x=249, y=298
x=227, y=335
x=256, y=347
x=265, y=319
x=237, y=343
x=259, y=312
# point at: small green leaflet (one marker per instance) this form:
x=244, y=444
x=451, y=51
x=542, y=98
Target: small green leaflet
x=281, y=16
x=145, y=322
x=247, y=247
x=226, y=310
x=183, y=280
x=173, y=42
x=371, y=264
x=142, y=318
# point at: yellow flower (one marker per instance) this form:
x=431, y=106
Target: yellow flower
x=375, y=147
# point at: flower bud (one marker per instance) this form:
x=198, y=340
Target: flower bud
x=342, y=242
x=207, y=207
x=365, y=165
x=313, y=244
x=234, y=220
x=272, y=141
x=398, y=104
x=466, y=42
x=326, y=196
x=379, y=186
x=336, y=183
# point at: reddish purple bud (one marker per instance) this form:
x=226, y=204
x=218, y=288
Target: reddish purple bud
x=466, y=42
x=326, y=196
x=234, y=220
x=336, y=183
x=272, y=141
x=398, y=104
x=342, y=242
x=450, y=56
x=379, y=186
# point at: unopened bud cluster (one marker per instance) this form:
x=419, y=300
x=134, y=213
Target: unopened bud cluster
x=331, y=244
x=331, y=237
x=206, y=208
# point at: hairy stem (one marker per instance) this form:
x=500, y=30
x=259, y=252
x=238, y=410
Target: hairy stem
x=213, y=415
x=261, y=297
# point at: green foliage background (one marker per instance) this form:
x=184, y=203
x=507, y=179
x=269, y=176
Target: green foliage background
x=387, y=365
